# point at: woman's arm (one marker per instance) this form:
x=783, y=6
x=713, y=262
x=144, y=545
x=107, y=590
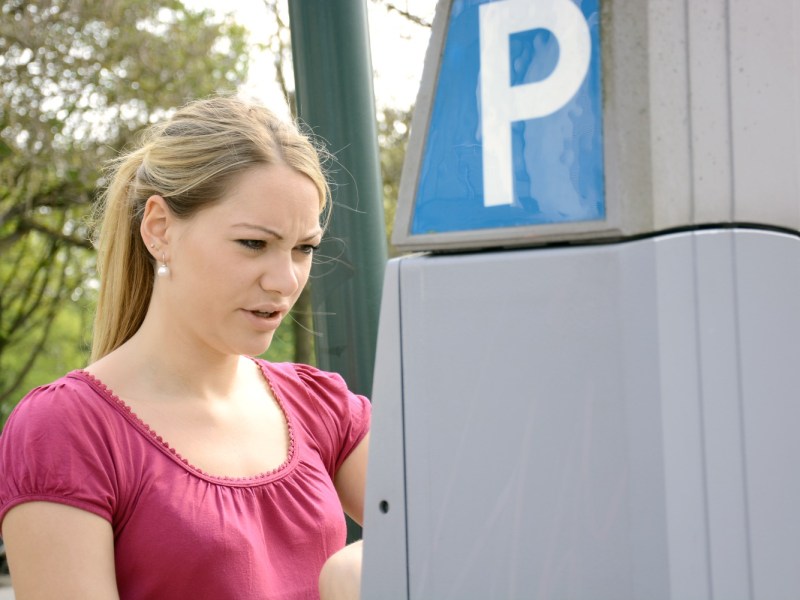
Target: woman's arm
x=351, y=479
x=57, y=551
x=341, y=576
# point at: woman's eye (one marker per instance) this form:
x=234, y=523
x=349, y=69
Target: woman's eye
x=308, y=249
x=253, y=244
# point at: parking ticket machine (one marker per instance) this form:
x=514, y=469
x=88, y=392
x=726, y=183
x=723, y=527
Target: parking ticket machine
x=587, y=375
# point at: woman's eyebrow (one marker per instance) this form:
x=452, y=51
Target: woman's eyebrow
x=266, y=230
x=271, y=232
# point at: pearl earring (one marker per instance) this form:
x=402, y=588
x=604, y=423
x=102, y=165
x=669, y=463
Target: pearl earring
x=163, y=269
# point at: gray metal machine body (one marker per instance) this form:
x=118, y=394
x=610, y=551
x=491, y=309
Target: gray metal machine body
x=608, y=409
x=594, y=422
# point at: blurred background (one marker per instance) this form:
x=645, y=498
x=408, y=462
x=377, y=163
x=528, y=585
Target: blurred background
x=79, y=79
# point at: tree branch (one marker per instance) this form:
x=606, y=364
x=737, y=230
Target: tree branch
x=27, y=224
x=50, y=318
x=404, y=13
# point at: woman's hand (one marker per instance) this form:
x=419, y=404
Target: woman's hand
x=340, y=578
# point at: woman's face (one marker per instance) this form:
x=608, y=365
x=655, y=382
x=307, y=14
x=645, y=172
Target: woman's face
x=237, y=268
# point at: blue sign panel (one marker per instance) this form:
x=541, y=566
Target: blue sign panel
x=515, y=134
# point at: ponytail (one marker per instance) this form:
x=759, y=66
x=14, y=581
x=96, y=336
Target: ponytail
x=124, y=265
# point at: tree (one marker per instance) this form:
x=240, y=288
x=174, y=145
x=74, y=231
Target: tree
x=79, y=78
x=393, y=130
x=403, y=12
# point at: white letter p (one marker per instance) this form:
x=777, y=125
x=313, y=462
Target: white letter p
x=502, y=103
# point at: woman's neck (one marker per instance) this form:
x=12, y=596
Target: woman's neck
x=175, y=368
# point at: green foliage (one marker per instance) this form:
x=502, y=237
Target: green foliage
x=393, y=131
x=282, y=347
x=79, y=78
x=36, y=282
x=67, y=348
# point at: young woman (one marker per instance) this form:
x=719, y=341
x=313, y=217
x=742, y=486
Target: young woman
x=176, y=465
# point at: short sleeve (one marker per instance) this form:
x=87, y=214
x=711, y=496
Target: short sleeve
x=54, y=448
x=337, y=418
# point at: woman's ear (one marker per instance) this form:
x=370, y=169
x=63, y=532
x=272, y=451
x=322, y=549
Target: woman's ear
x=155, y=222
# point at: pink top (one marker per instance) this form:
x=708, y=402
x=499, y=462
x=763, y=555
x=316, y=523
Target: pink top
x=180, y=532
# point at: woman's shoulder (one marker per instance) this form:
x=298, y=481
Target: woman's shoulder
x=308, y=381
x=72, y=385
x=335, y=417
x=59, y=444
x=59, y=404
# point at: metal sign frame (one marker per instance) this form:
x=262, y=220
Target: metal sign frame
x=523, y=235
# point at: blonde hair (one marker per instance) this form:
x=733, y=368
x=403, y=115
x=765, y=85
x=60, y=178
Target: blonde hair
x=191, y=161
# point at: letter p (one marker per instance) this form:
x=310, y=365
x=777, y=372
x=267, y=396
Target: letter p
x=502, y=103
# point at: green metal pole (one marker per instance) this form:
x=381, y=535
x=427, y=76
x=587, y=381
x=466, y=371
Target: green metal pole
x=333, y=82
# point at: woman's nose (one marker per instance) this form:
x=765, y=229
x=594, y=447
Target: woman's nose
x=280, y=275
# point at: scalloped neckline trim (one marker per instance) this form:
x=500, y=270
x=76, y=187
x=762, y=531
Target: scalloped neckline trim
x=282, y=469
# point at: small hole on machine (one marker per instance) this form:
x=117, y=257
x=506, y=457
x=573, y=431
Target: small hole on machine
x=384, y=506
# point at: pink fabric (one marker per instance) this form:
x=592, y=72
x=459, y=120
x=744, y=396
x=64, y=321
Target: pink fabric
x=180, y=532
